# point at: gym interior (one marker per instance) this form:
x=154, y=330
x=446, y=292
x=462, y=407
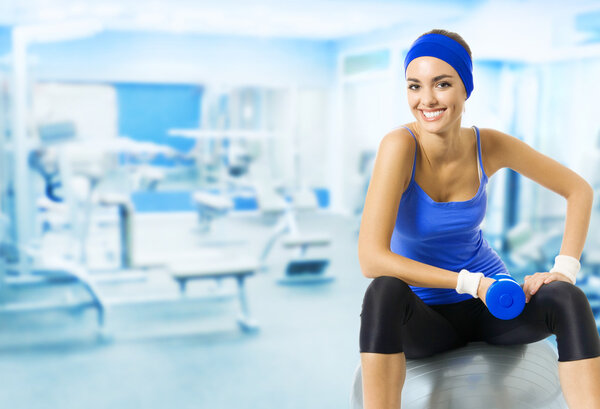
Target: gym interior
x=181, y=184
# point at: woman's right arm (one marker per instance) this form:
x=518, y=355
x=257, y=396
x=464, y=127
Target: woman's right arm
x=391, y=175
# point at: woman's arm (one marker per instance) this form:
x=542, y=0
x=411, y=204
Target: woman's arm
x=505, y=151
x=391, y=175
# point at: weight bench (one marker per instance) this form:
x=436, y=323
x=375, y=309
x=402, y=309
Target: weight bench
x=303, y=269
x=238, y=269
x=41, y=277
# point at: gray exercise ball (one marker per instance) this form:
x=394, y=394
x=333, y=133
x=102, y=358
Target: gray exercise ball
x=478, y=376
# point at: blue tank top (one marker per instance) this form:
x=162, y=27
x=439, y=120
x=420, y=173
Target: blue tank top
x=444, y=234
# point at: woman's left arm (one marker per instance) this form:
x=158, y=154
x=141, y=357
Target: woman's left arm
x=505, y=151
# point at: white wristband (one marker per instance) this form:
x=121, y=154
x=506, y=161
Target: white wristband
x=468, y=282
x=567, y=266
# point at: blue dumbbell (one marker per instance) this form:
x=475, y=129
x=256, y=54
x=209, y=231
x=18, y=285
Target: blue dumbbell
x=505, y=298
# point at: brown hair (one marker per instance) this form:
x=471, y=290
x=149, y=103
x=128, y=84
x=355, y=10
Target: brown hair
x=456, y=37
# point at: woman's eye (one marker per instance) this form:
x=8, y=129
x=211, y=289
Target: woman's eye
x=413, y=86
x=443, y=84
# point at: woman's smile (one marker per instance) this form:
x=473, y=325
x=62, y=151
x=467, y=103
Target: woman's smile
x=431, y=115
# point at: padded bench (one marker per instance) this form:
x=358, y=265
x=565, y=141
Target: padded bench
x=217, y=269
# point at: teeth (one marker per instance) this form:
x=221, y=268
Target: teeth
x=432, y=114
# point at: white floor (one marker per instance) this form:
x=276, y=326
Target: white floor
x=191, y=353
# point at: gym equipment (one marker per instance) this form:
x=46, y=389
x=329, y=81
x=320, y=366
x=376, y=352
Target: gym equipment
x=125, y=213
x=505, y=298
x=74, y=169
x=238, y=269
x=210, y=206
x=302, y=269
x=480, y=375
x=223, y=154
x=23, y=274
x=49, y=174
x=53, y=276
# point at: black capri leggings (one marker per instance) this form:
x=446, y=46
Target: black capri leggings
x=394, y=319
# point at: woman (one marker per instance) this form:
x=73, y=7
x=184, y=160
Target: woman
x=420, y=227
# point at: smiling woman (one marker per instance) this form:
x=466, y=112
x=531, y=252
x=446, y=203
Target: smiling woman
x=421, y=242
x=435, y=98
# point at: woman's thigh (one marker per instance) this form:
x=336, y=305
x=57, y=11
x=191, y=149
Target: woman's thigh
x=530, y=326
x=557, y=308
x=429, y=332
x=394, y=319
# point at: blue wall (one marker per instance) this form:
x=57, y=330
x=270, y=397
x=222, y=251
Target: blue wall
x=147, y=111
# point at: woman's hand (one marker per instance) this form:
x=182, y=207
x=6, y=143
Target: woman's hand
x=534, y=282
x=484, y=285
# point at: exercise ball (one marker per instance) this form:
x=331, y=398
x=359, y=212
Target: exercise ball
x=478, y=376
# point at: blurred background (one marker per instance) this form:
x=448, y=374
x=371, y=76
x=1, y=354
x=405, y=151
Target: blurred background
x=181, y=184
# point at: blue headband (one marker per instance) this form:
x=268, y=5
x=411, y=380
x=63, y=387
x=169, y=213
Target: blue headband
x=446, y=49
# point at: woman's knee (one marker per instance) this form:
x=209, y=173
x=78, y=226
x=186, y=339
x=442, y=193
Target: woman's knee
x=561, y=294
x=386, y=297
x=385, y=309
x=570, y=317
x=387, y=290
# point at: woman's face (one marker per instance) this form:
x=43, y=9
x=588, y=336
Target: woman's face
x=436, y=94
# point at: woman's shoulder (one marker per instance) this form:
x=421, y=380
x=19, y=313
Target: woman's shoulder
x=495, y=145
x=493, y=140
x=396, y=154
x=392, y=167
x=402, y=136
x=398, y=139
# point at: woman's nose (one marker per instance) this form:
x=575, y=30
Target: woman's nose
x=428, y=97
